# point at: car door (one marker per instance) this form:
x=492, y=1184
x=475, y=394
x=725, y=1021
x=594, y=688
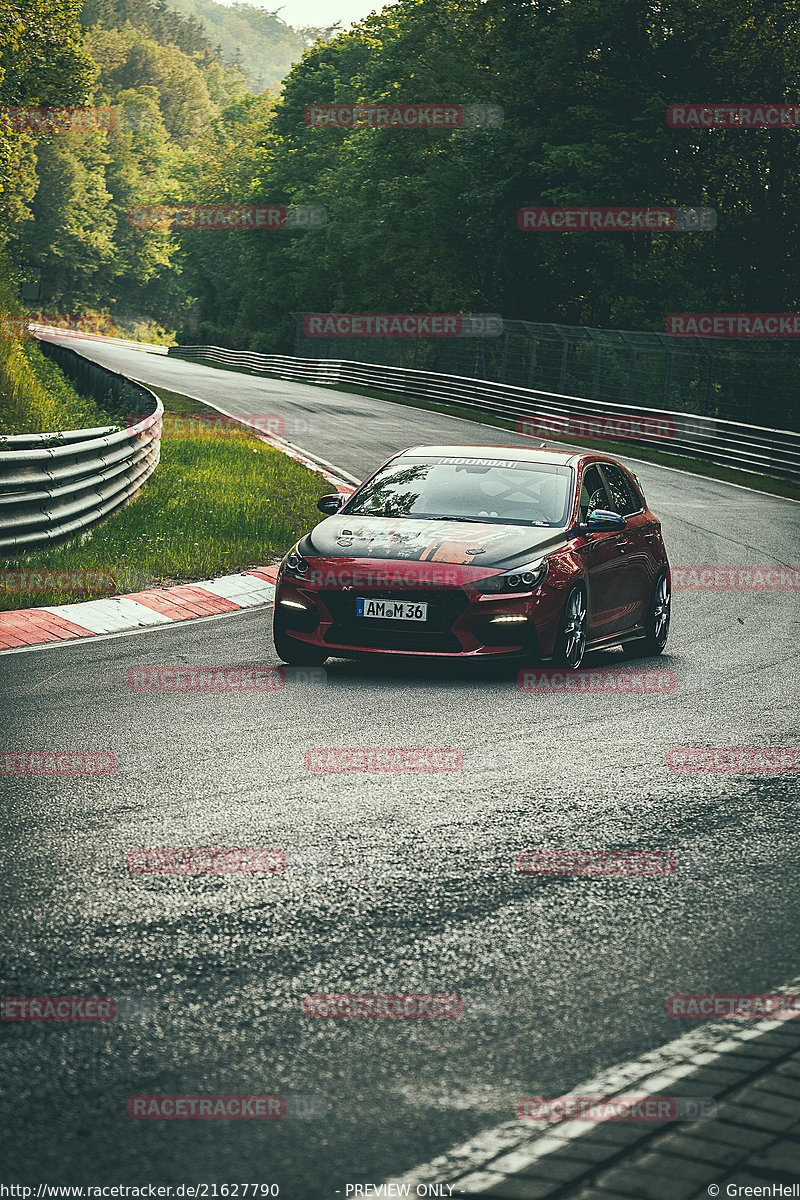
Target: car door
x=600, y=555
x=634, y=572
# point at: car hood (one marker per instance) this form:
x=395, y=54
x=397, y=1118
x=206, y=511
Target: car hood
x=482, y=545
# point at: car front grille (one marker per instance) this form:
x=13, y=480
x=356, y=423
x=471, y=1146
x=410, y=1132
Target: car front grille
x=378, y=633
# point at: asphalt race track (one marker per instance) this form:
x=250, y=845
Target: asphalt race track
x=394, y=882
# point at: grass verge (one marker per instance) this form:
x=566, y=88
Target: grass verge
x=698, y=466
x=220, y=501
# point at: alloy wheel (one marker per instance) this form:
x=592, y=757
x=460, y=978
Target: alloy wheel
x=575, y=629
x=661, y=611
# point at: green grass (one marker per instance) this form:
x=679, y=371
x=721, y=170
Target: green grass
x=699, y=466
x=216, y=504
x=176, y=402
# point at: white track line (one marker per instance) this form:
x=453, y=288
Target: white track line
x=470, y=1163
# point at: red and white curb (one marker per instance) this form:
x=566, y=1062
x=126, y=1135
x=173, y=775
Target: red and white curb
x=138, y=610
x=160, y=606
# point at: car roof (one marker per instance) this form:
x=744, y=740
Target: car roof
x=522, y=453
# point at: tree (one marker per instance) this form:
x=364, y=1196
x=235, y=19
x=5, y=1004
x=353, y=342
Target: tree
x=41, y=62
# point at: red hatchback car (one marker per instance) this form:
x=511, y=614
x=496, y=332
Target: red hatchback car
x=478, y=551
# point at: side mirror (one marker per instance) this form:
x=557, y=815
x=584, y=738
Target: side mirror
x=603, y=519
x=330, y=504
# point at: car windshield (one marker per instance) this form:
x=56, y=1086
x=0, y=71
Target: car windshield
x=505, y=491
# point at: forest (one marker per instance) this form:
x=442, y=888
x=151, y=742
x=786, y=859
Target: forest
x=418, y=219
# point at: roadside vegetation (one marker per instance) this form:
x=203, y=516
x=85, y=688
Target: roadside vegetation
x=419, y=220
x=35, y=397
x=220, y=501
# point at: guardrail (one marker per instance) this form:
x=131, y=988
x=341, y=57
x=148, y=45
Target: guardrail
x=542, y=415
x=53, y=485
x=752, y=380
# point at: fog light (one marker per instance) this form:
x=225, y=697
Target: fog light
x=509, y=618
x=295, y=604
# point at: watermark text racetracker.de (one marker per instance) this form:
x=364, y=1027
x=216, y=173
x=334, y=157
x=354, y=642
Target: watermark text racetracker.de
x=383, y=1005
x=615, y=219
x=546, y=681
x=717, y=578
x=411, y=325
x=757, y=1006
x=42, y=120
x=338, y=759
x=730, y=325
x=616, y=1108
x=46, y=119
x=206, y=860
x=207, y=679
x=75, y=1008
x=28, y=582
x=702, y=115
x=403, y=116
x=236, y=1107
x=748, y=759
x=57, y=762
x=391, y=577
x=597, y=862
x=610, y=427
x=205, y=424
x=57, y=1008
x=98, y=582
x=226, y=1107
x=160, y=218
x=222, y=425
x=224, y=679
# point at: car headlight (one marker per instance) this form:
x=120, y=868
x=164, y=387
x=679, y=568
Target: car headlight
x=295, y=565
x=521, y=579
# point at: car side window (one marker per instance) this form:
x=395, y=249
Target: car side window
x=593, y=492
x=623, y=497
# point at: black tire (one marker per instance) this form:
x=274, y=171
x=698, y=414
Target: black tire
x=570, y=644
x=656, y=623
x=294, y=653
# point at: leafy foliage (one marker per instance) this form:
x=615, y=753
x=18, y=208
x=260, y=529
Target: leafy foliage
x=417, y=219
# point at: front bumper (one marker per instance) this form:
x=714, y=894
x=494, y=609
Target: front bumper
x=460, y=620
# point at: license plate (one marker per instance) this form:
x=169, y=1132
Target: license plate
x=392, y=610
